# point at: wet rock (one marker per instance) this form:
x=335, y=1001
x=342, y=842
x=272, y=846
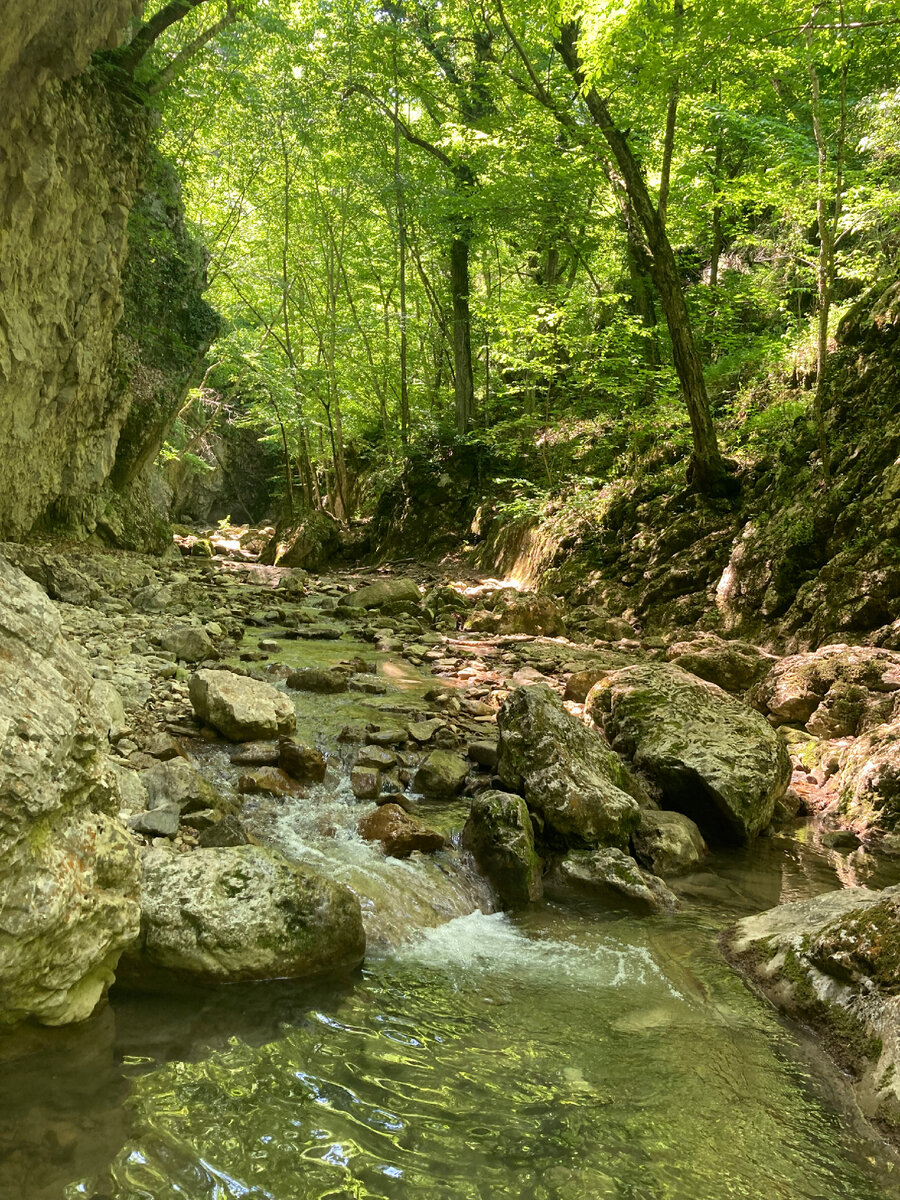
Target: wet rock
x=424, y=731
x=177, y=784
x=398, y=832
x=242, y=709
x=734, y=666
x=484, y=753
x=713, y=758
x=189, y=643
x=500, y=837
x=240, y=913
x=365, y=783
x=162, y=746
x=69, y=870
x=269, y=781
x=840, y=839
x=386, y=591
x=367, y=684
x=302, y=763
x=227, y=832
x=667, y=843
x=376, y=757
x=256, y=754
x=385, y=737
x=565, y=771
x=833, y=963
x=317, y=679
x=611, y=874
x=441, y=776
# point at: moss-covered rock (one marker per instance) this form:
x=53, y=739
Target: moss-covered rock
x=713, y=758
x=583, y=792
x=500, y=837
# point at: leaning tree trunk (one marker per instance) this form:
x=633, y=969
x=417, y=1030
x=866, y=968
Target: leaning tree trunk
x=708, y=469
x=464, y=387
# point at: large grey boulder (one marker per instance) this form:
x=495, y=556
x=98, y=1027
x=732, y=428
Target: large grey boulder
x=734, y=666
x=221, y=915
x=833, y=963
x=69, y=872
x=500, y=837
x=712, y=757
x=386, y=591
x=243, y=709
x=565, y=771
x=189, y=643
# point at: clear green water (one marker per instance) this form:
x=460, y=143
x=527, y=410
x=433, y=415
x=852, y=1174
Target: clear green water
x=556, y=1056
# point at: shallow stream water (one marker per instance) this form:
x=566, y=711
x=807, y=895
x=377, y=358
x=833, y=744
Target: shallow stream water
x=569, y=1053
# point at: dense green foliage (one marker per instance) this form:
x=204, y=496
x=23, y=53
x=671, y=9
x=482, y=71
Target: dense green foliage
x=378, y=183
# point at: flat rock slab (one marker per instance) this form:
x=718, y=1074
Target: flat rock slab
x=713, y=758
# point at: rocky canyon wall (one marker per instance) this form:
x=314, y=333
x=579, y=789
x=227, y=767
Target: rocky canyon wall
x=88, y=345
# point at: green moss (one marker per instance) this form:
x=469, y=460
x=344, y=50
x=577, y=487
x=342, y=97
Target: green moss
x=846, y=1035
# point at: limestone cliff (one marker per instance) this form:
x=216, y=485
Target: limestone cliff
x=80, y=193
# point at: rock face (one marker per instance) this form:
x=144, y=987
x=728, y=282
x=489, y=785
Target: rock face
x=239, y=913
x=244, y=710
x=713, y=758
x=611, y=874
x=834, y=963
x=69, y=873
x=869, y=778
x=500, y=837
x=312, y=544
x=837, y=691
x=565, y=771
x=74, y=151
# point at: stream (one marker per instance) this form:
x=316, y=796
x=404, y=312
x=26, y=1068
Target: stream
x=564, y=1053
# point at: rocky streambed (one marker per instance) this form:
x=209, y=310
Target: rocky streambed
x=220, y=773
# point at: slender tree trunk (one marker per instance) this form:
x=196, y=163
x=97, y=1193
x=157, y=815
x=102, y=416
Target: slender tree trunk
x=464, y=388
x=401, y=240
x=708, y=470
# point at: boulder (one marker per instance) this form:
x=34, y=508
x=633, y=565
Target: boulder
x=269, y=781
x=301, y=762
x=833, y=963
x=386, y=591
x=398, y=832
x=365, y=783
x=227, y=832
x=69, y=871
x=484, y=753
x=522, y=613
x=189, y=643
x=837, y=691
x=311, y=544
x=176, y=784
x=734, y=666
x=667, y=843
x=317, y=679
x=610, y=875
x=565, y=771
x=242, y=709
x=441, y=776
x=712, y=757
x=580, y=683
x=500, y=837
x=222, y=915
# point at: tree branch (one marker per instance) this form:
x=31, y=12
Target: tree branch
x=149, y=33
x=194, y=46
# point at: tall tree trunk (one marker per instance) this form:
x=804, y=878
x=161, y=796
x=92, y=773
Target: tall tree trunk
x=464, y=387
x=708, y=470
